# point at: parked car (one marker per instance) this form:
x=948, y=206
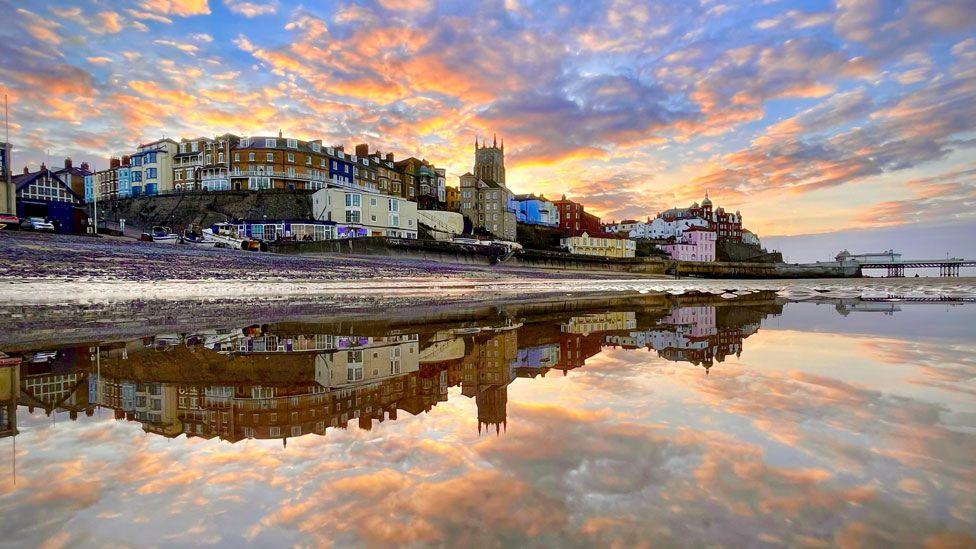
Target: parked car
x=37, y=224
x=9, y=222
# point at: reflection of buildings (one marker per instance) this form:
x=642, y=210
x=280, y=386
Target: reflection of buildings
x=265, y=382
x=693, y=334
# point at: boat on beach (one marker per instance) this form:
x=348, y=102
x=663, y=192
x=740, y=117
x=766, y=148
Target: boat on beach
x=226, y=235
x=160, y=234
x=195, y=237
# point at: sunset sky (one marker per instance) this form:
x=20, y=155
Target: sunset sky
x=809, y=117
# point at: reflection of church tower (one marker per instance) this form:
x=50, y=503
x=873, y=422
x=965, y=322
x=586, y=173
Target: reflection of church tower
x=491, y=404
x=489, y=162
x=9, y=391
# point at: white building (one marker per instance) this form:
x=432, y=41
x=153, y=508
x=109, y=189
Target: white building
x=657, y=228
x=365, y=213
x=750, y=238
x=378, y=359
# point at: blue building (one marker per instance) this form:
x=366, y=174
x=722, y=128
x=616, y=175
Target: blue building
x=125, y=182
x=340, y=165
x=535, y=210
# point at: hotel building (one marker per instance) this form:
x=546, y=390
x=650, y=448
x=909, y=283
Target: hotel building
x=358, y=212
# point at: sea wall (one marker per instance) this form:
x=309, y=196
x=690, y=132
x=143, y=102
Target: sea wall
x=202, y=208
x=727, y=250
x=449, y=252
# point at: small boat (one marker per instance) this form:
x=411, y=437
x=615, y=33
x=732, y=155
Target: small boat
x=194, y=236
x=226, y=236
x=160, y=234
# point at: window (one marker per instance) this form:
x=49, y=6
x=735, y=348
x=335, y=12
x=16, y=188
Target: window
x=194, y=146
x=353, y=200
x=151, y=173
x=269, y=157
x=316, y=147
x=220, y=158
x=291, y=157
x=292, y=143
x=271, y=143
x=237, y=157
x=308, y=160
x=250, y=157
x=372, y=201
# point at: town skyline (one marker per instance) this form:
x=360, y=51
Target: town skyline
x=810, y=117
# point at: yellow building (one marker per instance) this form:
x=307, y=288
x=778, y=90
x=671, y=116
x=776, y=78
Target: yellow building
x=601, y=246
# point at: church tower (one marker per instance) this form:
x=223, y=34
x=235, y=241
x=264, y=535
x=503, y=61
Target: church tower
x=489, y=162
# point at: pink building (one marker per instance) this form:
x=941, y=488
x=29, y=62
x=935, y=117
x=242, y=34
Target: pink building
x=696, y=244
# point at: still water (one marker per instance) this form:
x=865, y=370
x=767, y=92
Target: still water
x=666, y=420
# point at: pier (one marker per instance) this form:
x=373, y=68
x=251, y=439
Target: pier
x=895, y=265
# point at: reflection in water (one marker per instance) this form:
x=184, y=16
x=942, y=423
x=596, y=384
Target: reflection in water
x=691, y=420
x=276, y=382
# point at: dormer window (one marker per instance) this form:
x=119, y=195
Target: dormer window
x=270, y=143
x=245, y=143
x=316, y=147
x=292, y=143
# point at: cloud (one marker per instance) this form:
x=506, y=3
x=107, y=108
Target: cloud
x=251, y=9
x=947, y=197
x=182, y=8
x=186, y=48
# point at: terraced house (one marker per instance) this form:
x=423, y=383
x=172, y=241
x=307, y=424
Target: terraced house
x=286, y=163
x=427, y=182
x=373, y=167
x=152, y=167
x=204, y=163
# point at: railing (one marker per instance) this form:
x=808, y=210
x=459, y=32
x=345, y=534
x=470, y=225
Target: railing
x=330, y=181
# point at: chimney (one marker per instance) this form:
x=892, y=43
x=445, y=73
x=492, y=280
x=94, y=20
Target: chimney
x=279, y=134
x=114, y=163
x=340, y=148
x=67, y=163
x=26, y=171
x=362, y=150
x=389, y=157
x=125, y=160
x=43, y=167
x=85, y=166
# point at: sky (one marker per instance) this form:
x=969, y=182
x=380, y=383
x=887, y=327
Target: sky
x=812, y=118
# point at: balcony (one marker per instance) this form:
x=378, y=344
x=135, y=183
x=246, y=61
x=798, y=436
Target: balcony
x=324, y=181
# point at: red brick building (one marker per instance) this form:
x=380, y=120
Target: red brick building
x=574, y=219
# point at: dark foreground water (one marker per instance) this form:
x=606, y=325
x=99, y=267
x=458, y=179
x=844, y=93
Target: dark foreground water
x=668, y=421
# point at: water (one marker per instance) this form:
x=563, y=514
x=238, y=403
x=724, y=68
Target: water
x=774, y=418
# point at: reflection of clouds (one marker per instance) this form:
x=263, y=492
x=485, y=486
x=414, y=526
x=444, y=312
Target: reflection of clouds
x=946, y=366
x=627, y=449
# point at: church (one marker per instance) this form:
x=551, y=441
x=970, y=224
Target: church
x=485, y=200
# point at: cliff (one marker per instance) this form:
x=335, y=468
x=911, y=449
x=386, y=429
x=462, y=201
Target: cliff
x=203, y=208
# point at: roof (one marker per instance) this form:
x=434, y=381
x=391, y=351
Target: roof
x=530, y=196
x=73, y=170
x=594, y=234
x=24, y=179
